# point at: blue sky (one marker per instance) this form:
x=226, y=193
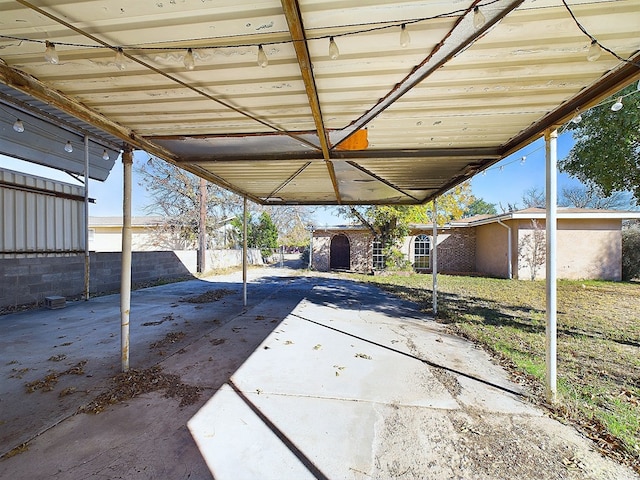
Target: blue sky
x=504, y=185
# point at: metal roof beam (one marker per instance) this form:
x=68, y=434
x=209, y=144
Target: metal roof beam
x=294, y=20
x=605, y=87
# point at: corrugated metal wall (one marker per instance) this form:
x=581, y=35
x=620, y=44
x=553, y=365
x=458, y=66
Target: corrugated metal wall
x=40, y=216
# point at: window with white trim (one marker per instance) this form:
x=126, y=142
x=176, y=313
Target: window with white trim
x=421, y=251
x=378, y=256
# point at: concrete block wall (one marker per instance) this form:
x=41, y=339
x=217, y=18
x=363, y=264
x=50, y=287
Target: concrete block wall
x=27, y=280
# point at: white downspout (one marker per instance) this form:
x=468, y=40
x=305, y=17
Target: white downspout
x=509, y=251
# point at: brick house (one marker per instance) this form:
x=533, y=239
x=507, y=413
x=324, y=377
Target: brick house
x=589, y=245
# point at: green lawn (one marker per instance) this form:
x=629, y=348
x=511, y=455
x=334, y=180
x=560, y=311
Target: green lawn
x=598, y=344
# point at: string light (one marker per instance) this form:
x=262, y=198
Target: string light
x=68, y=147
x=334, y=52
x=18, y=126
x=105, y=155
x=189, y=61
x=523, y=160
x=594, y=51
x=577, y=118
x=616, y=107
x=405, y=38
x=263, y=61
x=501, y=168
x=50, y=54
x=478, y=18
x=119, y=59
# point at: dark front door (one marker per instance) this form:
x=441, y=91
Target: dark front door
x=340, y=253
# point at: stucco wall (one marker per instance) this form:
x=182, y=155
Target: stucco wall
x=586, y=249
x=491, y=250
x=143, y=239
x=360, y=246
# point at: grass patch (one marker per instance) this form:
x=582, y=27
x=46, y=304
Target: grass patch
x=598, y=344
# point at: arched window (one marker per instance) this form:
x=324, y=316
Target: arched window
x=421, y=251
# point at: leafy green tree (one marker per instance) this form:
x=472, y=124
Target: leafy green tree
x=390, y=223
x=262, y=233
x=631, y=253
x=480, y=207
x=607, y=149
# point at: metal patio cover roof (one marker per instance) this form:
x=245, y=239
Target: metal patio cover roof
x=381, y=124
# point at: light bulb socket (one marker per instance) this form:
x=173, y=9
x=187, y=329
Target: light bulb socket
x=18, y=126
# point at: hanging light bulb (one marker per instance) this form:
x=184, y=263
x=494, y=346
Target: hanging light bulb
x=105, y=155
x=189, y=61
x=263, y=61
x=523, y=160
x=119, y=59
x=594, y=51
x=577, y=118
x=68, y=147
x=501, y=168
x=50, y=54
x=334, y=53
x=638, y=86
x=616, y=107
x=405, y=38
x=18, y=126
x=484, y=172
x=150, y=162
x=478, y=18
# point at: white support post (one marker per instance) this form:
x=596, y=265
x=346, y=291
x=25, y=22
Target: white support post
x=434, y=257
x=551, y=141
x=86, y=219
x=125, y=279
x=202, y=229
x=244, y=254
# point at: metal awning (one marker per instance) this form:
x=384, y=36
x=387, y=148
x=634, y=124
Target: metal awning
x=381, y=123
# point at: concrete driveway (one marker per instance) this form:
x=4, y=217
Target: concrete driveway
x=320, y=377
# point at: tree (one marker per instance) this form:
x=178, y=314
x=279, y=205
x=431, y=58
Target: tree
x=176, y=197
x=631, y=252
x=390, y=223
x=532, y=249
x=591, y=197
x=480, y=207
x=534, y=198
x=607, y=149
x=261, y=233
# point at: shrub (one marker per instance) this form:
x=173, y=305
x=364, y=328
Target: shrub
x=631, y=253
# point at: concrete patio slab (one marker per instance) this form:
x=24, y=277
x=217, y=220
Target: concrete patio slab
x=319, y=377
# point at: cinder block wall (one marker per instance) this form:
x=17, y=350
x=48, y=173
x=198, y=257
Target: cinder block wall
x=28, y=280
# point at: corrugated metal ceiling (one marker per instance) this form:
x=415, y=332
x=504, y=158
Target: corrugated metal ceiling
x=454, y=101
